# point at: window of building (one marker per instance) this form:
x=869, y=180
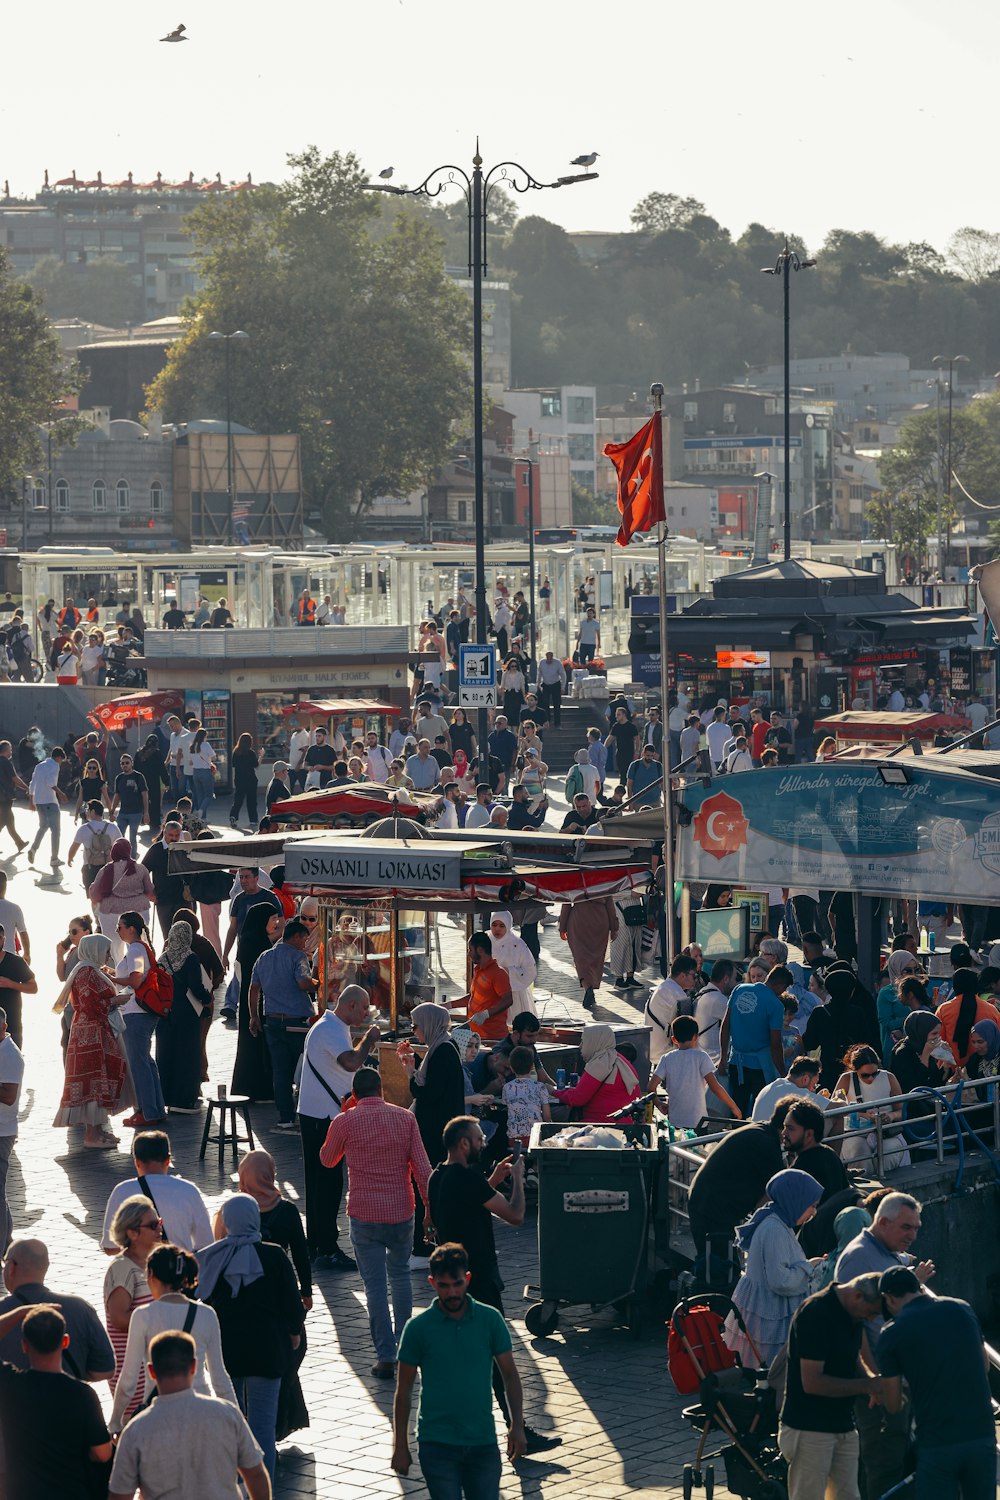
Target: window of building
x=581, y=409
x=462, y=510
x=690, y=411
x=551, y=406
x=156, y=497
x=62, y=495
x=39, y=499
x=857, y=491
x=729, y=411
x=122, y=495
x=581, y=447
x=770, y=406
x=100, y=495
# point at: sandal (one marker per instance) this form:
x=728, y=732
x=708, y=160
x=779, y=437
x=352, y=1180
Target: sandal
x=102, y=1145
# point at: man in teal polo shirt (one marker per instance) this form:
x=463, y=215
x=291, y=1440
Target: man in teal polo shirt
x=453, y=1343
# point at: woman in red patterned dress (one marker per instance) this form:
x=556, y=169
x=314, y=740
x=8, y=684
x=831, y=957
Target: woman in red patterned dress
x=97, y=1083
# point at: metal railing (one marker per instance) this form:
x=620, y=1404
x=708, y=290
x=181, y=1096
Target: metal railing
x=684, y=1158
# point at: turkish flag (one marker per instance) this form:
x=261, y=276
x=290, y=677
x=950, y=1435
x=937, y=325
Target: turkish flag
x=639, y=464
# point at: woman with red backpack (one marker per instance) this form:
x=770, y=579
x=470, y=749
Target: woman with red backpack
x=136, y=972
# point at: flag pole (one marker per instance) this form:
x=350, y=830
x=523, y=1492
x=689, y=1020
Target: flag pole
x=656, y=391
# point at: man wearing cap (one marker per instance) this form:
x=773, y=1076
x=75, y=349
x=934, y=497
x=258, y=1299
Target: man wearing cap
x=935, y=1344
x=826, y=1375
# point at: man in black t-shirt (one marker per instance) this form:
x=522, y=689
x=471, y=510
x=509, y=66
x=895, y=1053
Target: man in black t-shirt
x=463, y=1203
x=174, y=619
x=581, y=816
x=321, y=757
x=54, y=1434
x=10, y=783
x=825, y=1373
x=802, y=1138
x=729, y=1184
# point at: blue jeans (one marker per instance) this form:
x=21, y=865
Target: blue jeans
x=204, y=790
x=145, y=1076
x=381, y=1249
x=258, y=1398
x=452, y=1472
x=177, y=787
x=966, y=1469
x=285, y=1048
x=48, y=822
x=129, y=825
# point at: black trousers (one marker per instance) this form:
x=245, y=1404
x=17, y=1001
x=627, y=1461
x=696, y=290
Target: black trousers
x=550, y=698
x=245, y=792
x=324, y=1188
x=7, y=822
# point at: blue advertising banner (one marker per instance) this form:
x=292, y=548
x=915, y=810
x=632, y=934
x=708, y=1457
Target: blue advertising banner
x=935, y=834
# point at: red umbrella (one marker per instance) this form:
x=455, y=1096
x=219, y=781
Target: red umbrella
x=136, y=708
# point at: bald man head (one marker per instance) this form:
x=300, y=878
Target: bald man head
x=26, y=1262
x=353, y=1004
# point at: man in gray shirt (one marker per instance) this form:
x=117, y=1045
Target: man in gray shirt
x=551, y=686
x=90, y=1356
x=422, y=769
x=185, y=1444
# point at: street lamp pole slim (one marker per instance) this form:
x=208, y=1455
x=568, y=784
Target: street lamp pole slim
x=476, y=189
x=788, y=261
x=532, y=624
x=951, y=360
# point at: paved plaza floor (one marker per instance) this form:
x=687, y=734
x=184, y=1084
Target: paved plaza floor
x=604, y=1392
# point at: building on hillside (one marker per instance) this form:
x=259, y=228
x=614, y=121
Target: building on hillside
x=117, y=371
x=879, y=386
x=143, y=225
x=692, y=510
x=560, y=417
x=722, y=437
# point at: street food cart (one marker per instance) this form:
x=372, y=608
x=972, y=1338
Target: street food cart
x=353, y=717
x=863, y=734
x=354, y=806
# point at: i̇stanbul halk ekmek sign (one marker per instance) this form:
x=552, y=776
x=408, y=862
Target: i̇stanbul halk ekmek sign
x=839, y=827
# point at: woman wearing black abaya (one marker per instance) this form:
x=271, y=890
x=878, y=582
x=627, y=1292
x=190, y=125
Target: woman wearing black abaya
x=252, y=1071
x=842, y=1022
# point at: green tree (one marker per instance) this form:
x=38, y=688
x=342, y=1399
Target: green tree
x=659, y=211
x=358, y=340
x=34, y=378
x=593, y=510
x=904, y=518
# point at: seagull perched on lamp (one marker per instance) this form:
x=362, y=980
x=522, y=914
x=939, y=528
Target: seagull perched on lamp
x=177, y=35
x=584, y=161
x=386, y=173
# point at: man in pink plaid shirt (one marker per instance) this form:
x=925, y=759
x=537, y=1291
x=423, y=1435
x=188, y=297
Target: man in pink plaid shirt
x=384, y=1153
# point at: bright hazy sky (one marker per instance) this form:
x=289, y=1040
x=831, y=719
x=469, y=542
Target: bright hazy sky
x=871, y=114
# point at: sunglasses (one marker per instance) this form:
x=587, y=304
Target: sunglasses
x=309, y=919
x=152, y=1224
x=869, y=1077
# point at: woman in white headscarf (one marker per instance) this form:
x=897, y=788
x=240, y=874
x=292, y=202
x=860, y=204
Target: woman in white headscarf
x=438, y=1089
x=513, y=954
x=97, y=1083
x=607, y=1082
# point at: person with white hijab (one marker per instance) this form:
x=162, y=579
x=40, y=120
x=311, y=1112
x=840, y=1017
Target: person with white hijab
x=513, y=954
x=607, y=1082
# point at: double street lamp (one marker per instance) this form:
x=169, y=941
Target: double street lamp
x=951, y=360
x=476, y=189
x=788, y=261
x=227, y=339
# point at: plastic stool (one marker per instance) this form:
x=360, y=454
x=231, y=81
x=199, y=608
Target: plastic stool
x=230, y=1109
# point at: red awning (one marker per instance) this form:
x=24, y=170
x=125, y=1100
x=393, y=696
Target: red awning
x=323, y=708
x=136, y=708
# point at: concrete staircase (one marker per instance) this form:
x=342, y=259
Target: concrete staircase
x=561, y=744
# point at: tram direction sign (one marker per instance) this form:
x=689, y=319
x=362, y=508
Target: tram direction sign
x=477, y=676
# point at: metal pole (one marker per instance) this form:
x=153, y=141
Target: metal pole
x=940, y=561
x=476, y=209
x=786, y=272
x=947, y=550
x=656, y=391
x=49, y=481
x=532, y=636
x=229, y=445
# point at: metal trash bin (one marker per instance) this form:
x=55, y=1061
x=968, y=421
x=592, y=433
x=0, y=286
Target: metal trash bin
x=594, y=1215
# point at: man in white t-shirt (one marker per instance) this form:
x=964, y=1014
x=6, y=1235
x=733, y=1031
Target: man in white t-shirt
x=179, y=737
x=298, y=743
x=717, y=734
x=377, y=759
x=712, y=1003
x=12, y=920
x=330, y=1060
x=666, y=1000
x=11, y=1074
x=689, y=1075
x=976, y=712
x=802, y=1080
x=177, y=1201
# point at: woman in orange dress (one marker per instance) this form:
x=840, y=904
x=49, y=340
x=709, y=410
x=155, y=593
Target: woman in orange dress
x=97, y=1083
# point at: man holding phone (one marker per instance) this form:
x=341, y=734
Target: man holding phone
x=463, y=1204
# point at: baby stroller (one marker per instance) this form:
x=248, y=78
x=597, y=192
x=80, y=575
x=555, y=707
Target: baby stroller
x=732, y=1400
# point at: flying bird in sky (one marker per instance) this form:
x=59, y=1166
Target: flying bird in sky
x=584, y=161
x=386, y=173
x=177, y=35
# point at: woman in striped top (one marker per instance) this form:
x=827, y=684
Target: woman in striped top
x=137, y=1228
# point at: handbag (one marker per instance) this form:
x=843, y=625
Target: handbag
x=635, y=915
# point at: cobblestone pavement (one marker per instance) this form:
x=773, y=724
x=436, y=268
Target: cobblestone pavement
x=605, y=1393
